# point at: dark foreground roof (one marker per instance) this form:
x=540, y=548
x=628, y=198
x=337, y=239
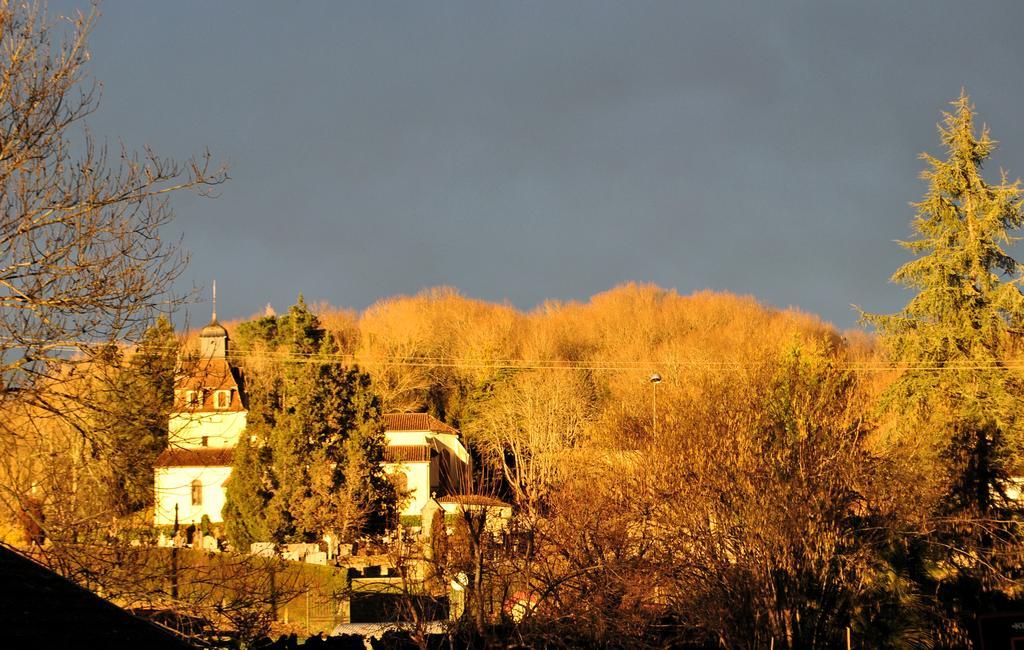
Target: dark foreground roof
x=40, y=609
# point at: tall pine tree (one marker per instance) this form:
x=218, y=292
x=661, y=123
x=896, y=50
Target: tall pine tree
x=956, y=333
x=131, y=403
x=955, y=393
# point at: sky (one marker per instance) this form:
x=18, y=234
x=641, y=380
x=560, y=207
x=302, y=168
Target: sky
x=523, y=151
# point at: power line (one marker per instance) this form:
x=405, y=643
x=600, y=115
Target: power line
x=481, y=363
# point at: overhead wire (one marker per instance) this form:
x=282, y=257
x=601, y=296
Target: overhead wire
x=593, y=364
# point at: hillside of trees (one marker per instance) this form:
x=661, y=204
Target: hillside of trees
x=770, y=486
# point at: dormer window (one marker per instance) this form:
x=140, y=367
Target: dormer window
x=205, y=441
x=222, y=399
x=192, y=398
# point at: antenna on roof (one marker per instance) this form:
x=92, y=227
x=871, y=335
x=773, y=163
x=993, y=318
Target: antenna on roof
x=214, y=301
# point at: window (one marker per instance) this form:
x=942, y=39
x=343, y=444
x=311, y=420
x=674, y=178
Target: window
x=205, y=441
x=192, y=398
x=197, y=492
x=222, y=399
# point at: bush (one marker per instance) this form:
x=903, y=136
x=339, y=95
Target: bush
x=411, y=521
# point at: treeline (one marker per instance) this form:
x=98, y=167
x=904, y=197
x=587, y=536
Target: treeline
x=619, y=497
x=778, y=491
x=443, y=353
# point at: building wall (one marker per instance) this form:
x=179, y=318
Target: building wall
x=456, y=480
x=409, y=438
x=455, y=445
x=458, y=462
x=417, y=477
x=498, y=517
x=220, y=429
x=174, y=486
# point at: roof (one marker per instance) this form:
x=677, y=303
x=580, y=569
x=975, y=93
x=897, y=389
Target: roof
x=206, y=376
x=201, y=457
x=40, y=609
x=214, y=329
x=474, y=500
x=377, y=630
x=416, y=422
x=407, y=454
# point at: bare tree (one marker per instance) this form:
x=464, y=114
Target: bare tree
x=82, y=262
x=83, y=268
x=527, y=425
x=83, y=273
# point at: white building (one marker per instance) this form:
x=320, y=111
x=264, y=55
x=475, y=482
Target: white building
x=204, y=428
x=210, y=415
x=425, y=457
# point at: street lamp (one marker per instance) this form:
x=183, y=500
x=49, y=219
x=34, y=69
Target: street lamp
x=655, y=380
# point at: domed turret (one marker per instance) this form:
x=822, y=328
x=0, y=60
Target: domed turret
x=213, y=339
x=214, y=329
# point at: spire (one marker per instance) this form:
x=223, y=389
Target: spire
x=213, y=338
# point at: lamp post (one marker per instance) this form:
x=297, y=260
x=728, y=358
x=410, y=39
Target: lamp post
x=655, y=380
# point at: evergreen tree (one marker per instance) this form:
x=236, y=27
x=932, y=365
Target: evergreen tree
x=132, y=403
x=251, y=514
x=255, y=335
x=961, y=319
x=329, y=438
x=954, y=337
x=320, y=440
x=247, y=514
x=300, y=329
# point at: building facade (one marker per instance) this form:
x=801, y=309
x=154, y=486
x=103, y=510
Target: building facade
x=209, y=417
x=425, y=457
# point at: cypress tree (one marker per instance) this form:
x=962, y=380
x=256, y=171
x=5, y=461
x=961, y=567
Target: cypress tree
x=131, y=405
x=316, y=441
x=247, y=514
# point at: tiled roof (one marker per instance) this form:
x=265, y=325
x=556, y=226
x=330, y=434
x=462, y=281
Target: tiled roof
x=407, y=454
x=206, y=376
x=474, y=500
x=416, y=422
x=201, y=457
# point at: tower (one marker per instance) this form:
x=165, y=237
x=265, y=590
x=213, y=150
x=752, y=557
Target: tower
x=204, y=427
x=213, y=339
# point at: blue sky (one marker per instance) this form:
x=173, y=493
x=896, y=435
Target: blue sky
x=523, y=151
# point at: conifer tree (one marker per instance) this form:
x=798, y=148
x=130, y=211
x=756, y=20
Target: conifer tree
x=956, y=333
x=955, y=394
x=247, y=514
x=130, y=407
x=316, y=441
